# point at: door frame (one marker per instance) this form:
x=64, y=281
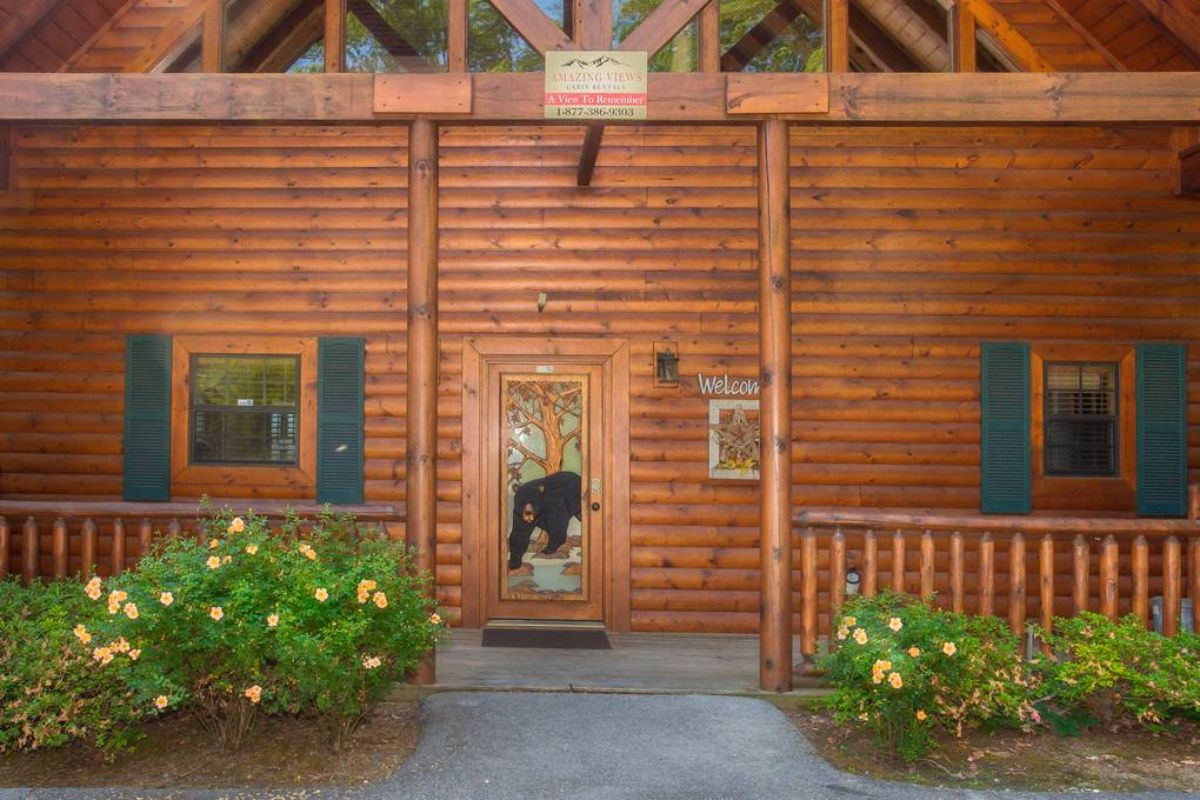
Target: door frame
x=612, y=356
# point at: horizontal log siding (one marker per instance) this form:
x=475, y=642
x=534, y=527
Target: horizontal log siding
x=198, y=230
x=909, y=247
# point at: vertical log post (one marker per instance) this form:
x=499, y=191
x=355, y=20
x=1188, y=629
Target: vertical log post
x=775, y=378
x=335, y=35
x=58, y=547
x=987, y=575
x=962, y=38
x=456, y=35
x=899, y=559
x=421, y=420
x=1080, y=570
x=808, y=582
x=837, y=35
x=1109, y=561
x=1016, y=583
x=1171, y=587
x=1194, y=579
x=870, y=576
x=1046, y=581
x=212, y=37
x=710, y=37
x=118, y=547
x=30, y=539
x=89, y=536
x=1141, y=579
x=927, y=566
x=957, y=574
x=837, y=574
x=5, y=547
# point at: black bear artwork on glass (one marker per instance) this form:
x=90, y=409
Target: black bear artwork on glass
x=547, y=503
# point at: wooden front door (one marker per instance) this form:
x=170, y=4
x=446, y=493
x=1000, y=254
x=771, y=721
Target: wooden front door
x=544, y=530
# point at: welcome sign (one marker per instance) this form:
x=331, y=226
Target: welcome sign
x=595, y=84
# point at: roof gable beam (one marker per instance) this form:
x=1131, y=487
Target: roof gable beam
x=528, y=20
x=661, y=25
x=1181, y=22
x=23, y=16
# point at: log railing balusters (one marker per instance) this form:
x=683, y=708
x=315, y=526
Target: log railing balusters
x=1171, y=586
x=1016, y=583
x=58, y=548
x=30, y=542
x=1193, y=572
x=118, y=547
x=808, y=572
x=1109, y=562
x=957, y=574
x=870, y=576
x=927, y=566
x=987, y=575
x=89, y=537
x=837, y=575
x=1046, y=581
x=5, y=545
x=898, y=561
x=145, y=537
x=1140, y=565
x=1080, y=571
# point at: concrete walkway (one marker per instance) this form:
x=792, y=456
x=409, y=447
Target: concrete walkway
x=530, y=746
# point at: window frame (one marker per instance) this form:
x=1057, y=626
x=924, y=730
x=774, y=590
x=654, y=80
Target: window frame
x=187, y=479
x=1049, y=419
x=1115, y=493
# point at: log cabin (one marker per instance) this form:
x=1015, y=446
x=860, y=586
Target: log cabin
x=869, y=294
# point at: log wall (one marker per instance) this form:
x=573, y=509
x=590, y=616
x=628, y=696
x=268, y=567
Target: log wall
x=909, y=247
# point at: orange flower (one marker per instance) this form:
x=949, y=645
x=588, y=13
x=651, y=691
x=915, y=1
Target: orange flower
x=949, y=649
x=254, y=693
x=213, y=562
x=161, y=702
x=860, y=636
x=895, y=680
x=272, y=620
x=895, y=623
x=92, y=589
x=251, y=549
x=914, y=651
x=133, y=654
x=237, y=525
x=216, y=612
x=166, y=598
x=213, y=544
x=321, y=594
x=921, y=715
x=103, y=655
x=131, y=610
x=380, y=599
x=434, y=619
x=82, y=634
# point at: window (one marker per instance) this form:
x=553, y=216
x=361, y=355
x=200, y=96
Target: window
x=244, y=409
x=1081, y=419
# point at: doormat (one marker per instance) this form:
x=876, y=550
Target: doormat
x=561, y=638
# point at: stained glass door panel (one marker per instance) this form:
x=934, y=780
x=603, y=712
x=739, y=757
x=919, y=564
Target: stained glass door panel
x=545, y=471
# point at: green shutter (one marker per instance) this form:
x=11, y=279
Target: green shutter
x=340, y=362
x=1162, y=430
x=148, y=417
x=1005, y=473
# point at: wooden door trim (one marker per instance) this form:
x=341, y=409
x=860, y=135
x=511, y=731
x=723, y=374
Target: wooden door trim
x=612, y=355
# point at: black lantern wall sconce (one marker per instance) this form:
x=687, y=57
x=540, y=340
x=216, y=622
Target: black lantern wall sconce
x=666, y=365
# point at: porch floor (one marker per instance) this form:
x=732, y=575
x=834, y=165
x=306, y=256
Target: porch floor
x=669, y=663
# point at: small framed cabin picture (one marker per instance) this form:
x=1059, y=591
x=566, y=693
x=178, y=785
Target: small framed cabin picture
x=733, y=433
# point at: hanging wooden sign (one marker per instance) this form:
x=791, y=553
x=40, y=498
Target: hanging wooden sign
x=595, y=84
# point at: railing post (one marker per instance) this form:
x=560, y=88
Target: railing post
x=30, y=542
x=1109, y=561
x=145, y=537
x=1046, y=581
x=1194, y=578
x=870, y=578
x=118, y=547
x=1080, y=570
x=5, y=546
x=987, y=575
x=808, y=576
x=899, y=557
x=58, y=547
x=1140, y=563
x=957, y=574
x=88, y=537
x=1016, y=583
x=1171, y=587
x=927, y=566
x=837, y=575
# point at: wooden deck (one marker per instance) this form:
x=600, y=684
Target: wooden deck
x=638, y=662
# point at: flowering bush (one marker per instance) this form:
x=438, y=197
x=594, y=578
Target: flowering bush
x=50, y=689
x=1119, y=673
x=244, y=621
x=907, y=670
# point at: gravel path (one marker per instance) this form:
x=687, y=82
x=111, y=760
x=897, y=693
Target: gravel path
x=531, y=746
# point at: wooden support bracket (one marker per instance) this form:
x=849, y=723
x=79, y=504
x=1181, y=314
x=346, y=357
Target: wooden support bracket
x=1189, y=172
x=588, y=154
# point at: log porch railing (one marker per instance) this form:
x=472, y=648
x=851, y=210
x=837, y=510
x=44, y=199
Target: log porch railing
x=1024, y=568
x=56, y=539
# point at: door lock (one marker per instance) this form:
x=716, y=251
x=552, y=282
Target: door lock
x=595, y=506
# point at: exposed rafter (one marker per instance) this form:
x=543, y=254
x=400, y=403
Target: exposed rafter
x=532, y=24
x=661, y=26
x=988, y=19
x=1180, y=21
x=1085, y=34
x=910, y=31
x=389, y=37
x=23, y=16
x=293, y=37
